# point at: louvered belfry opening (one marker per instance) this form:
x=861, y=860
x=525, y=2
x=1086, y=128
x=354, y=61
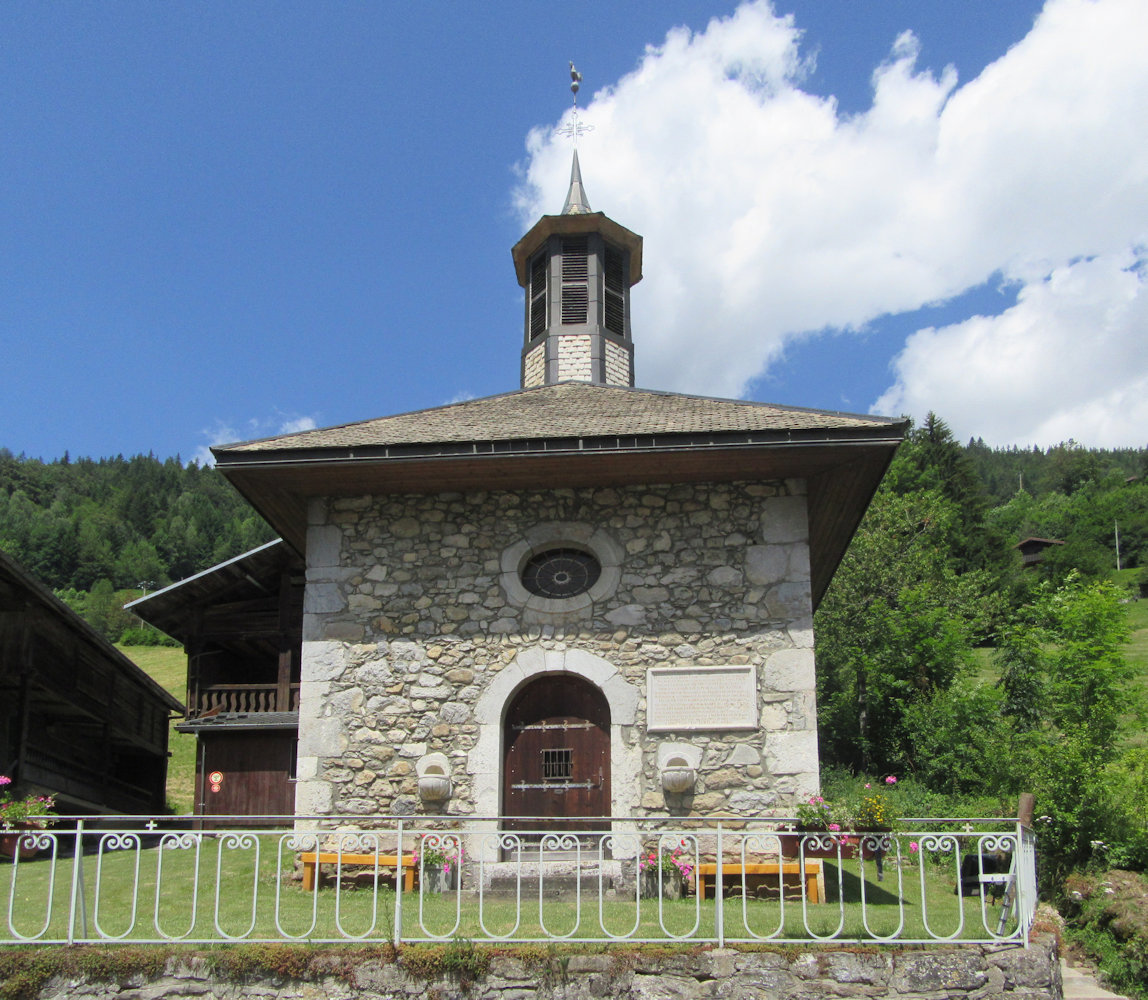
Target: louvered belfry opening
x=575, y=280
x=614, y=299
x=537, y=293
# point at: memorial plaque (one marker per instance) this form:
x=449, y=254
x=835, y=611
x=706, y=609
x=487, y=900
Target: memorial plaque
x=701, y=698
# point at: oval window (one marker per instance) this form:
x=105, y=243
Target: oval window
x=561, y=572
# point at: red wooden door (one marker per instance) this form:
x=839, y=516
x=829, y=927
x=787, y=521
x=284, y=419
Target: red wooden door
x=556, y=755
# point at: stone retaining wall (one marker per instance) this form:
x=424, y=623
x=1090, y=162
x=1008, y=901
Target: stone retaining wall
x=967, y=973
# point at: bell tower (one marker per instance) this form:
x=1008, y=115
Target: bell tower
x=577, y=269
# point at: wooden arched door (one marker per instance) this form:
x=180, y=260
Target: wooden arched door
x=556, y=755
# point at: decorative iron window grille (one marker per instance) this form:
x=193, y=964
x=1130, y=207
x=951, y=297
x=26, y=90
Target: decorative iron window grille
x=557, y=765
x=560, y=572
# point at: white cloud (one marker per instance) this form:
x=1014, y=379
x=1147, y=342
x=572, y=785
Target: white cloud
x=255, y=427
x=768, y=215
x=1067, y=361
x=294, y=425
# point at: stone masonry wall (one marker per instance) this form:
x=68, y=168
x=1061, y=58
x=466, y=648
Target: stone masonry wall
x=617, y=365
x=534, y=370
x=968, y=973
x=407, y=625
x=574, y=358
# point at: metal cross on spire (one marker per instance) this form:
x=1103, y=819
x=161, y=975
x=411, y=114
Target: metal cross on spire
x=574, y=127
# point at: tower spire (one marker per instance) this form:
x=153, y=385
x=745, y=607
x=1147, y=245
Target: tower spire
x=576, y=201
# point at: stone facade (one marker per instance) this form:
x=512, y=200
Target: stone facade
x=413, y=639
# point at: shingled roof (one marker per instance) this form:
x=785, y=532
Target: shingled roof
x=565, y=410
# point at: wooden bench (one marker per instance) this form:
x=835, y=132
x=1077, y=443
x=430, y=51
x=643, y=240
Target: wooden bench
x=707, y=873
x=312, y=859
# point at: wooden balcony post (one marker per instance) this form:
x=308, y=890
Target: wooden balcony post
x=283, y=691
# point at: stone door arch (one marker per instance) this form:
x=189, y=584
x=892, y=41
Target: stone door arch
x=556, y=755
x=485, y=763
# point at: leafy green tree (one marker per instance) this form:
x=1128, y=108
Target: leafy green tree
x=891, y=630
x=1088, y=675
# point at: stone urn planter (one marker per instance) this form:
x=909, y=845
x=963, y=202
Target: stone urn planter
x=434, y=788
x=440, y=880
x=678, y=780
x=671, y=885
x=12, y=841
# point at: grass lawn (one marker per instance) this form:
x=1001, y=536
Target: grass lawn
x=167, y=665
x=1136, y=653
x=260, y=900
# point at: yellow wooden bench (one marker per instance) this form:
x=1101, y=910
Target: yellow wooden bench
x=705, y=874
x=312, y=859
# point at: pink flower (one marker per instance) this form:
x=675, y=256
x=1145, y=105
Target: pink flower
x=867, y=784
x=5, y=780
x=834, y=827
x=891, y=780
x=914, y=846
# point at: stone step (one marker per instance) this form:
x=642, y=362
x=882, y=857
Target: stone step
x=1080, y=984
x=557, y=878
x=553, y=886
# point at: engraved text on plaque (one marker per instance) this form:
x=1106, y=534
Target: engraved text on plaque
x=701, y=698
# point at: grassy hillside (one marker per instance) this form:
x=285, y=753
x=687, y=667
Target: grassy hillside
x=1135, y=652
x=168, y=667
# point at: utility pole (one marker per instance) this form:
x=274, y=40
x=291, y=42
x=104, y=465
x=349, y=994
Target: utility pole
x=1117, y=524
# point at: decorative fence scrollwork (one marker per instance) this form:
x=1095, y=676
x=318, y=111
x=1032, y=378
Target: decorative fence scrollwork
x=370, y=878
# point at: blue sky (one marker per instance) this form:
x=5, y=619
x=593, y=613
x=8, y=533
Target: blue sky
x=220, y=221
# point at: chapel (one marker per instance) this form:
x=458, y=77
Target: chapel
x=574, y=600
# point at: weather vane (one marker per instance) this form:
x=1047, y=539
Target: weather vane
x=574, y=127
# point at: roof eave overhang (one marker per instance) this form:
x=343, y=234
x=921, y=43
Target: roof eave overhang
x=248, y=725
x=842, y=468
x=566, y=225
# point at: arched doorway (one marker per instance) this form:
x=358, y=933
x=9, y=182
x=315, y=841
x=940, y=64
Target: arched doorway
x=556, y=754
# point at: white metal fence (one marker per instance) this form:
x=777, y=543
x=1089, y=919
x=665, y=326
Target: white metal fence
x=405, y=879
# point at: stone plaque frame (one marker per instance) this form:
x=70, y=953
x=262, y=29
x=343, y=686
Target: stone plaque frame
x=701, y=698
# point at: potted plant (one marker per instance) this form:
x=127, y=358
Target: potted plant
x=664, y=871
x=819, y=832
x=874, y=820
x=438, y=858
x=16, y=815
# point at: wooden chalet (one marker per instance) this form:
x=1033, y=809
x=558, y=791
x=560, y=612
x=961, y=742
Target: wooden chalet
x=1032, y=550
x=240, y=623
x=78, y=719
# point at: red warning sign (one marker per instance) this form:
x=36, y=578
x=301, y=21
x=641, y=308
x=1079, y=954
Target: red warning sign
x=216, y=777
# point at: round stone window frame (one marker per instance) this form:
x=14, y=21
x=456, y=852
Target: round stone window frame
x=561, y=535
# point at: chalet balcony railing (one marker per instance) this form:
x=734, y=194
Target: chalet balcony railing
x=406, y=879
x=229, y=698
